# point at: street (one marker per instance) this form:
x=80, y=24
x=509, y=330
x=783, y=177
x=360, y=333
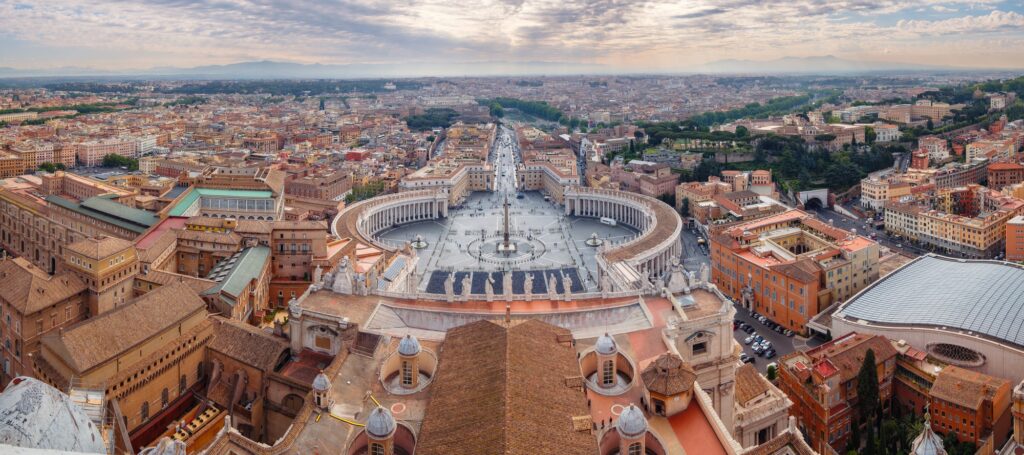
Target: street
x=783, y=345
x=860, y=227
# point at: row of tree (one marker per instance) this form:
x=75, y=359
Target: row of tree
x=114, y=160
x=432, y=118
x=291, y=87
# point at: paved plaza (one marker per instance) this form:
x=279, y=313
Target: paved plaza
x=546, y=240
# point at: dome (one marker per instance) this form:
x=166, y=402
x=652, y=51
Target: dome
x=380, y=424
x=321, y=383
x=632, y=422
x=409, y=346
x=927, y=443
x=35, y=415
x=166, y=446
x=606, y=345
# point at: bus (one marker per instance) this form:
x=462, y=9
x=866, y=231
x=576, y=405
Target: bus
x=608, y=221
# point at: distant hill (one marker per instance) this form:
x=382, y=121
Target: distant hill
x=825, y=64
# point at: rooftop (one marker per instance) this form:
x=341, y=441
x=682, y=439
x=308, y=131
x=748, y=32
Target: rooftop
x=979, y=296
x=108, y=211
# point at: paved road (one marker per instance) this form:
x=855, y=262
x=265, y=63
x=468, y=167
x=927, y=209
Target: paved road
x=850, y=224
x=693, y=254
x=783, y=344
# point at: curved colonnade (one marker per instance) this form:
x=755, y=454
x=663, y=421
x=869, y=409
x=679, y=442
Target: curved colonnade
x=627, y=265
x=650, y=253
x=363, y=220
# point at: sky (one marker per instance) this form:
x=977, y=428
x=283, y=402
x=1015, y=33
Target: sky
x=622, y=36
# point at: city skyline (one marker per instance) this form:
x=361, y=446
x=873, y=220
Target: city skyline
x=484, y=37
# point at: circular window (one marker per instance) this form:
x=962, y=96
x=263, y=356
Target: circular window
x=956, y=354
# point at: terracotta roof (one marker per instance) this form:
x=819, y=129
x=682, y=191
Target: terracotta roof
x=786, y=443
x=98, y=339
x=805, y=270
x=847, y=353
x=99, y=248
x=164, y=278
x=749, y=384
x=668, y=375
x=495, y=395
x=29, y=289
x=246, y=343
x=667, y=221
x=965, y=387
x=229, y=238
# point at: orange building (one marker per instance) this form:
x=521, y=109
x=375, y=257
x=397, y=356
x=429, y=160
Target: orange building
x=1004, y=174
x=822, y=383
x=790, y=266
x=971, y=405
x=1015, y=239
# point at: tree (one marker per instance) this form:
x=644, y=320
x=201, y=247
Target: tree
x=115, y=160
x=771, y=372
x=870, y=135
x=931, y=125
x=868, y=401
x=685, y=207
x=48, y=167
x=497, y=110
x=742, y=132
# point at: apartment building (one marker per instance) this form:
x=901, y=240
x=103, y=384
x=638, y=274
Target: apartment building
x=937, y=147
x=790, y=266
x=1003, y=174
x=822, y=383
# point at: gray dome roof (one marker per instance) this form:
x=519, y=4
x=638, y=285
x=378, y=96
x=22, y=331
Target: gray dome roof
x=35, y=415
x=380, y=424
x=409, y=346
x=321, y=383
x=927, y=443
x=166, y=446
x=632, y=422
x=606, y=345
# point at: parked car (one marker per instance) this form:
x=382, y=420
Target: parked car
x=758, y=338
x=789, y=333
x=749, y=339
x=769, y=353
x=749, y=329
x=747, y=359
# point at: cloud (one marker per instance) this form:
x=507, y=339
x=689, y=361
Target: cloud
x=640, y=34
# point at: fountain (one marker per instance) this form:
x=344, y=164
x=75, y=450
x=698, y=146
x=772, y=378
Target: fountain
x=593, y=240
x=418, y=242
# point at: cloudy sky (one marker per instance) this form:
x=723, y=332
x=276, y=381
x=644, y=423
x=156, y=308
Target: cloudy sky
x=640, y=35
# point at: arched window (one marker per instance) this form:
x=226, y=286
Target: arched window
x=406, y=372
x=635, y=449
x=182, y=384
x=164, y=398
x=608, y=374
x=199, y=371
x=144, y=413
x=376, y=449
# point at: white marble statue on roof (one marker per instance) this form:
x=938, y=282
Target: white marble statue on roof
x=528, y=284
x=677, y=282
x=449, y=286
x=318, y=274
x=467, y=285
x=704, y=274
x=489, y=287
x=35, y=415
x=567, y=286
x=343, y=278
x=552, y=287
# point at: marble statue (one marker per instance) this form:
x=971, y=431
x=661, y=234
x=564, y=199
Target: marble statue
x=528, y=284
x=489, y=287
x=318, y=274
x=677, y=282
x=294, y=308
x=449, y=285
x=343, y=278
x=567, y=286
x=467, y=285
x=704, y=273
x=506, y=284
x=552, y=287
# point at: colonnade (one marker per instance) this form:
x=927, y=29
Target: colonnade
x=375, y=219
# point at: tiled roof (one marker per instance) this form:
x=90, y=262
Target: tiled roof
x=749, y=384
x=99, y=248
x=785, y=444
x=965, y=387
x=847, y=353
x=494, y=393
x=98, y=339
x=29, y=289
x=668, y=375
x=247, y=344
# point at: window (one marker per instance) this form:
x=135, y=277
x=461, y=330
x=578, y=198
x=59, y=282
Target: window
x=700, y=348
x=635, y=449
x=376, y=449
x=182, y=384
x=164, y=398
x=144, y=412
x=406, y=373
x=608, y=373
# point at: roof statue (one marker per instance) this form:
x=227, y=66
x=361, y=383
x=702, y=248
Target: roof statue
x=467, y=285
x=528, y=284
x=343, y=278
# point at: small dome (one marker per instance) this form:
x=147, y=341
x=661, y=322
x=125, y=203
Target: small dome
x=409, y=346
x=36, y=416
x=166, y=446
x=321, y=383
x=606, y=345
x=380, y=424
x=632, y=422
